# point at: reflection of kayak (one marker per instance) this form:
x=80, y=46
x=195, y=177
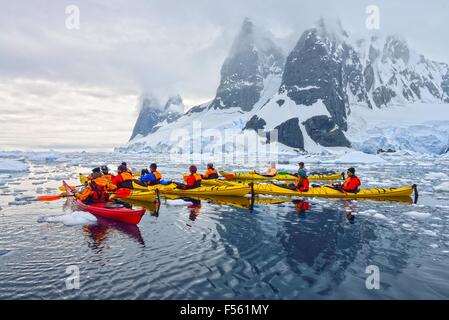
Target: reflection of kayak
x=100, y=231
x=280, y=177
x=328, y=192
x=152, y=206
x=239, y=202
x=101, y=209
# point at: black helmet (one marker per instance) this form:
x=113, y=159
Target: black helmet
x=153, y=165
x=96, y=170
x=104, y=168
x=352, y=170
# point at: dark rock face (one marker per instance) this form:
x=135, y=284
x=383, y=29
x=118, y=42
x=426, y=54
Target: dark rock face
x=396, y=49
x=322, y=130
x=445, y=87
x=383, y=95
x=290, y=134
x=368, y=73
x=312, y=72
x=149, y=117
x=252, y=59
x=255, y=123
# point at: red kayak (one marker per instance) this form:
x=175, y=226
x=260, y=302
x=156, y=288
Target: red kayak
x=101, y=209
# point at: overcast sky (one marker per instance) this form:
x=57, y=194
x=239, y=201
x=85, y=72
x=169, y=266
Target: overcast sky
x=77, y=89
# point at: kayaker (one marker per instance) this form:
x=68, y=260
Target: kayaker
x=301, y=167
x=192, y=181
x=127, y=169
x=96, y=190
x=272, y=171
x=210, y=173
x=151, y=177
x=105, y=172
x=123, y=179
x=351, y=183
x=302, y=182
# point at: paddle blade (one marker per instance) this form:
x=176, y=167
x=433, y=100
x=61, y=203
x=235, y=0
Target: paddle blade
x=229, y=176
x=62, y=188
x=49, y=198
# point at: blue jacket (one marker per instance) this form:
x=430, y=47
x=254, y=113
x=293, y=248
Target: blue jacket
x=148, y=177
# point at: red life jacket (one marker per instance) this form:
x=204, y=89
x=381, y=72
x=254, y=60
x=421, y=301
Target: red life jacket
x=351, y=184
x=302, y=184
x=123, y=180
x=194, y=181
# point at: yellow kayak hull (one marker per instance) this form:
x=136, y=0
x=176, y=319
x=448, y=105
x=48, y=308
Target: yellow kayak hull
x=280, y=177
x=234, y=191
x=327, y=192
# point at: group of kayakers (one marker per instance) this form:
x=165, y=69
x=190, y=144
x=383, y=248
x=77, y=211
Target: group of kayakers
x=351, y=183
x=101, y=182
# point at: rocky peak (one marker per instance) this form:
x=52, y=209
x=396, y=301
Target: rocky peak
x=253, y=57
x=152, y=113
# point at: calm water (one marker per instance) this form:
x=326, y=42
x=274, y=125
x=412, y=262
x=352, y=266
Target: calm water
x=219, y=251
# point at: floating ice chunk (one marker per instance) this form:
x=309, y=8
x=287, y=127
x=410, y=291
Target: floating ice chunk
x=418, y=215
x=434, y=245
x=380, y=216
x=436, y=175
x=70, y=219
x=430, y=233
x=9, y=165
x=4, y=252
x=444, y=187
x=369, y=212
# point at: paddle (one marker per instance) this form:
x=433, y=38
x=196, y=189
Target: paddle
x=53, y=198
x=229, y=176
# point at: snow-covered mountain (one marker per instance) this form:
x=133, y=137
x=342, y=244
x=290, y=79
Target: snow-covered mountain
x=153, y=115
x=310, y=95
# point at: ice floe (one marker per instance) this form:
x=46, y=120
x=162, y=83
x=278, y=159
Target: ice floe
x=70, y=219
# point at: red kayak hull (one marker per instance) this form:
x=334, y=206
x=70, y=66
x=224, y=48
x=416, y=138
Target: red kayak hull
x=119, y=214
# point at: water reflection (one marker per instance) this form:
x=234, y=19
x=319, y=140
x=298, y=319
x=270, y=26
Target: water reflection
x=101, y=231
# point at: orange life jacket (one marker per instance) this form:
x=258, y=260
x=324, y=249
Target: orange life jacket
x=157, y=175
x=211, y=173
x=105, y=183
x=94, y=192
x=351, y=184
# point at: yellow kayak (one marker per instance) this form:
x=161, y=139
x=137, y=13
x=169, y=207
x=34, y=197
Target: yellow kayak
x=328, y=192
x=171, y=189
x=280, y=177
x=234, y=190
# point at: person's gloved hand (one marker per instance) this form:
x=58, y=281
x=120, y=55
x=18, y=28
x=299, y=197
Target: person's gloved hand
x=184, y=187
